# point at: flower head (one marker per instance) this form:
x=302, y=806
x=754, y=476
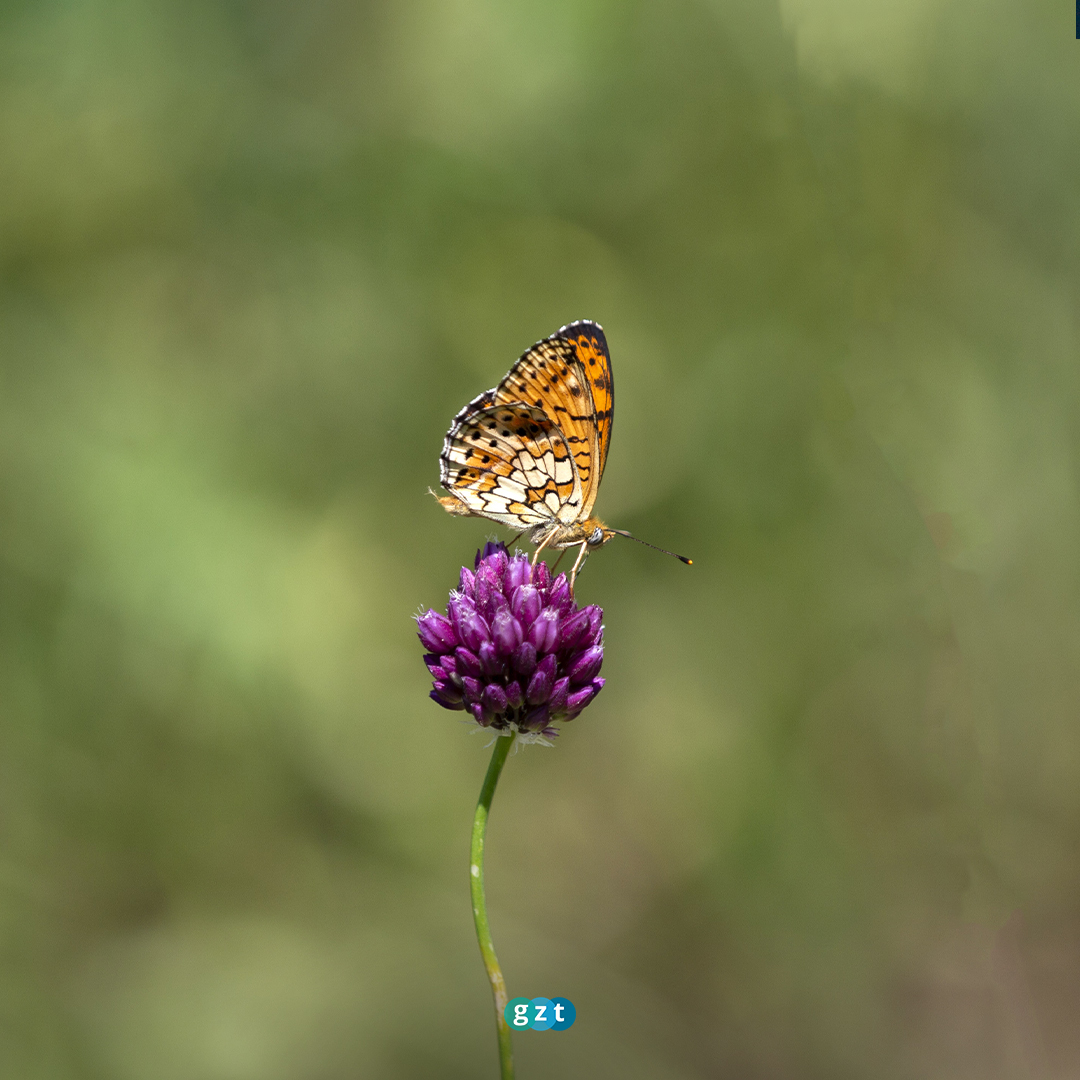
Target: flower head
x=513, y=649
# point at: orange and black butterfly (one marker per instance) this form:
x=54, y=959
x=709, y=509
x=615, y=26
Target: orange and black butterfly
x=530, y=453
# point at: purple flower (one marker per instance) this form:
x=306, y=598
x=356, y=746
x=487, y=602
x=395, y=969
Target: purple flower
x=514, y=650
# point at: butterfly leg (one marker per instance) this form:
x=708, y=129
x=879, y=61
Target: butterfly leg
x=543, y=544
x=583, y=554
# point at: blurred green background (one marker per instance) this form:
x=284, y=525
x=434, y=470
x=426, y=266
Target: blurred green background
x=824, y=821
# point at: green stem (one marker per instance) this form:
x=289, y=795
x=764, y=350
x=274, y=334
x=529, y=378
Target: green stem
x=479, y=904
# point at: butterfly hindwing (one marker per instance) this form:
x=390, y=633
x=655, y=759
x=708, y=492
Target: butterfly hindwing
x=510, y=463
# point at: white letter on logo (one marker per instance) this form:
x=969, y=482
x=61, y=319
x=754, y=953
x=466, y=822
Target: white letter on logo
x=521, y=1016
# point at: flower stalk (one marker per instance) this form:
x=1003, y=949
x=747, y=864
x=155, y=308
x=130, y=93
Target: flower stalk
x=479, y=904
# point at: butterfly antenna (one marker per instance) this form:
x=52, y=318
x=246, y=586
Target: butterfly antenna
x=629, y=536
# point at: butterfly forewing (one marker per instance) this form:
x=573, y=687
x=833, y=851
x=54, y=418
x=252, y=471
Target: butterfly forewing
x=532, y=450
x=568, y=375
x=592, y=352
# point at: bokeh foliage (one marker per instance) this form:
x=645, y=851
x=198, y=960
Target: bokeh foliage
x=824, y=820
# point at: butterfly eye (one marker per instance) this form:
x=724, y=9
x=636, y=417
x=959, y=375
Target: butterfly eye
x=597, y=536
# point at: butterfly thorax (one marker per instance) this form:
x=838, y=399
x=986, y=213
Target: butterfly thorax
x=591, y=531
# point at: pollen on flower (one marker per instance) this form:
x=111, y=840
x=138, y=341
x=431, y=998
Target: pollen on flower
x=513, y=650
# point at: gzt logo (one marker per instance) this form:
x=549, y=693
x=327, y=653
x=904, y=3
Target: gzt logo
x=540, y=1014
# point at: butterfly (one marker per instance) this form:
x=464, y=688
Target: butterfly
x=530, y=452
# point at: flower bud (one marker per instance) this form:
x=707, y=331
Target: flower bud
x=536, y=719
x=484, y=594
x=544, y=632
x=506, y=632
x=435, y=632
x=498, y=560
x=489, y=576
x=494, y=699
x=559, y=595
x=543, y=678
x=585, y=667
x=515, y=696
x=573, y=629
x=471, y=626
x=525, y=603
x=581, y=697
x=557, y=701
x=525, y=658
x=490, y=660
x=541, y=575
x=468, y=663
x=449, y=697
x=517, y=574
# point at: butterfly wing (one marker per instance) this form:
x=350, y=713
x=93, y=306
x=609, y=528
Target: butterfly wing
x=568, y=376
x=508, y=462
